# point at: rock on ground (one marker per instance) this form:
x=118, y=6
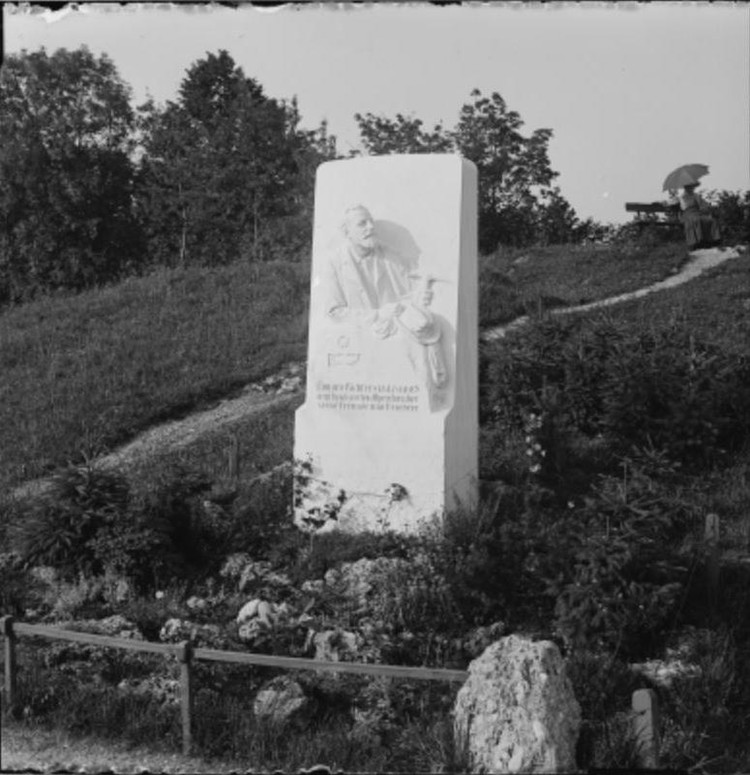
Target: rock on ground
x=281, y=701
x=517, y=711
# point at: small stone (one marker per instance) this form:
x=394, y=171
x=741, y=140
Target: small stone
x=196, y=603
x=280, y=701
x=248, y=611
x=332, y=645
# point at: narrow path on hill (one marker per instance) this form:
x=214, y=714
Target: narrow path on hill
x=699, y=262
x=284, y=388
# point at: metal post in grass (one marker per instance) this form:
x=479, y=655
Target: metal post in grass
x=185, y=658
x=11, y=695
x=712, y=545
x=646, y=727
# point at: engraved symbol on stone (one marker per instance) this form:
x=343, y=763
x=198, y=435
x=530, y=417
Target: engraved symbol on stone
x=343, y=359
x=343, y=341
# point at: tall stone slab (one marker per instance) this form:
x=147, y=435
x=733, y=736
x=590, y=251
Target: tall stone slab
x=388, y=435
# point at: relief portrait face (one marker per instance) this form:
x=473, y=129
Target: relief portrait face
x=360, y=228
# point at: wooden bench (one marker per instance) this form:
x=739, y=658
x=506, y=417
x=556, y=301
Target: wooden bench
x=664, y=216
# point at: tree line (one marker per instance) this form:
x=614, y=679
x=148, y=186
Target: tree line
x=93, y=189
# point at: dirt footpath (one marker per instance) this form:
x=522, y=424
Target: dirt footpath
x=27, y=748
x=700, y=261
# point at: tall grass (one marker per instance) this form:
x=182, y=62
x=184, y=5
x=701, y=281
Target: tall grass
x=715, y=307
x=515, y=282
x=79, y=374
x=85, y=690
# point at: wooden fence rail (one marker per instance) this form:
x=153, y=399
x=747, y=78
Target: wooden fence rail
x=185, y=654
x=644, y=705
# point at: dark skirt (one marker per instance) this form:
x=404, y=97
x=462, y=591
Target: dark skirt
x=701, y=230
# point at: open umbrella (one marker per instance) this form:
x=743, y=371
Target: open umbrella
x=685, y=175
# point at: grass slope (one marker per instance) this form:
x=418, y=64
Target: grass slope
x=81, y=374
x=201, y=311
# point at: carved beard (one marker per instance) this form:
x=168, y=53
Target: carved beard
x=366, y=244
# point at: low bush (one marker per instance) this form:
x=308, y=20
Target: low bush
x=650, y=388
x=89, y=523
x=59, y=528
x=705, y=713
x=603, y=684
x=16, y=584
x=732, y=212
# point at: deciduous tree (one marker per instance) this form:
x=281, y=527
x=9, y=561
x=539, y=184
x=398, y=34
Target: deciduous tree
x=221, y=166
x=516, y=202
x=66, y=176
x=382, y=135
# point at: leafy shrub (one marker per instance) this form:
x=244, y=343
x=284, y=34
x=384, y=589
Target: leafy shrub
x=608, y=569
x=167, y=521
x=90, y=523
x=603, y=685
x=635, y=236
x=14, y=584
x=67, y=600
x=596, y=378
x=150, y=613
x=622, y=583
x=330, y=550
x=490, y=558
x=414, y=603
x=732, y=212
x=260, y=520
x=705, y=715
x=687, y=398
x=58, y=529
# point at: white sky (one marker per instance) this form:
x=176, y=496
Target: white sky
x=630, y=90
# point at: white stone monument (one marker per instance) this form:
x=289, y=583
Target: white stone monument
x=387, y=436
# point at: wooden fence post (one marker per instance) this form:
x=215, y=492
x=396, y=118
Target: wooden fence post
x=185, y=657
x=11, y=694
x=646, y=727
x=712, y=544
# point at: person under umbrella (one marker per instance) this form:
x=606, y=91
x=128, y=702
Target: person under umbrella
x=701, y=229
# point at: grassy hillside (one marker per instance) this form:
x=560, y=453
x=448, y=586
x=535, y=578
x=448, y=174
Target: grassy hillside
x=606, y=438
x=81, y=374
x=516, y=282
x=714, y=307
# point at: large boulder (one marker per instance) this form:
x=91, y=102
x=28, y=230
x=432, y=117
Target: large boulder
x=517, y=711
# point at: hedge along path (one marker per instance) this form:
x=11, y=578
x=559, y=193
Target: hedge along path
x=185, y=654
x=181, y=433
